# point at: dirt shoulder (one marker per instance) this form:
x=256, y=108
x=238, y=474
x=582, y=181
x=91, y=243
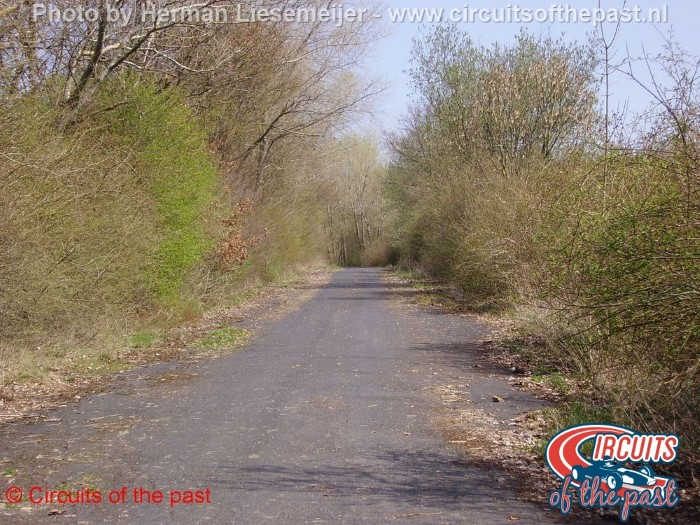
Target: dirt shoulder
x=500, y=414
x=74, y=375
x=326, y=416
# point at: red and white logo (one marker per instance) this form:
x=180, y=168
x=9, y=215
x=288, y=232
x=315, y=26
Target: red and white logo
x=605, y=478
x=612, y=445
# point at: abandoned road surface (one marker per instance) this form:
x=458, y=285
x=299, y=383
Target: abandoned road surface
x=326, y=417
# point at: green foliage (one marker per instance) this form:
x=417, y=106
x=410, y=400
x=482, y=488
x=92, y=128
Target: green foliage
x=78, y=226
x=174, y=160
x=527, y=99
x=142, y=340
x=468, y=178
x=556, y=380
x=224, y=338
x=119, y=191
x=106, y=224
x=569, y=414
x=597, y=254
x=624, y=276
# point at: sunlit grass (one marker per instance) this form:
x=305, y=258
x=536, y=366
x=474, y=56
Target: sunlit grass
x=224, y=338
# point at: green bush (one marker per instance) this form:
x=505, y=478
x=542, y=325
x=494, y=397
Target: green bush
x=174, y=163
x=597, y=255
x=104, y=222
x=621, y=279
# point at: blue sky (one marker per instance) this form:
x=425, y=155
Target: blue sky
x=389, y=58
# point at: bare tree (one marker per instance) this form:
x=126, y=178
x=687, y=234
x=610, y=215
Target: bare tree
x=680, y=103
x=607, y=45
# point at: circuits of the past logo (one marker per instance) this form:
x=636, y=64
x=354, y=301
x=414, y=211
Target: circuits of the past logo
x=605, y=479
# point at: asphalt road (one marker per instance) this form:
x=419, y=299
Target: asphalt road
x=324, y=418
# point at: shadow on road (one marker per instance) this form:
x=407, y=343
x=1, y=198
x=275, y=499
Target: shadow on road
x=422, y=478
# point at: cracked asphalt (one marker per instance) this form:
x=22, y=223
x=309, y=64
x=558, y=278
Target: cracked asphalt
x=324, y=418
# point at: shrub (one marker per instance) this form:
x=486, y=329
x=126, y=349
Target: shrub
x=602, y=245
x=104, y=222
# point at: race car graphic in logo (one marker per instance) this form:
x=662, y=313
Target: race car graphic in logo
x=615, y=475
x=611, y=476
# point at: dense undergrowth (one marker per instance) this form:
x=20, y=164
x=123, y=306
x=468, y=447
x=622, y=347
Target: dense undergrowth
x=145, y=185
x=505, y=187
x=147, y=180
x=108, y=226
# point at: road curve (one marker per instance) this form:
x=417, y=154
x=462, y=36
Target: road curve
x=324, y=418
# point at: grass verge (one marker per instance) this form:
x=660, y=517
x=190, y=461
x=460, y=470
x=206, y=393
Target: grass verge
x=34, y=379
